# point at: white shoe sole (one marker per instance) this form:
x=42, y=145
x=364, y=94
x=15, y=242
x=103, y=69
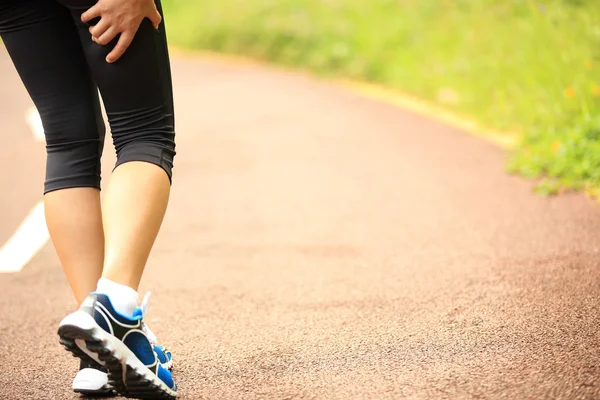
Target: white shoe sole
x=82, y=336
x=90, y=381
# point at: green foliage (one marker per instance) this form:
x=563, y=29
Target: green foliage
x=514, y=65
x=568, y=158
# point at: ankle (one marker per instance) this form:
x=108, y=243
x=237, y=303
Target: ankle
x=124, y=299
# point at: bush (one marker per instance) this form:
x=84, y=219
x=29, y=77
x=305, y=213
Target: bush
x=513, y=65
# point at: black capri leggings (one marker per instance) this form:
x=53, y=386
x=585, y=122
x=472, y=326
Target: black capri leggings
x=62, y=69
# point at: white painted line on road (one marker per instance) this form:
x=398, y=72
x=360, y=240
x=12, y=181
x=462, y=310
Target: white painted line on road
x=26, y=242
x=35, y=123
x=32, y=234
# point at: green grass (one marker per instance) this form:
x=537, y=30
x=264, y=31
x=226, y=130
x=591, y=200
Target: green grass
x=513, y=65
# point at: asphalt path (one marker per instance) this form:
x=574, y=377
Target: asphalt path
x=320, y=245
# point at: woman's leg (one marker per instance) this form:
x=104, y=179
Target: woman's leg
x=44, y=46
x=136, y=91
x=74, y=221
x=138, y=99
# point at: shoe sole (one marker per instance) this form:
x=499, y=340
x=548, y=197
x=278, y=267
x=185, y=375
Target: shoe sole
x=71, y=346
x=92, y=382
x=83, y=337
x=106, y=391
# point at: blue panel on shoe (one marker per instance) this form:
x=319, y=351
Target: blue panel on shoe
x=165, y=376
x=138, y=343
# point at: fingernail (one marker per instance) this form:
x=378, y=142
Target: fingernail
x=109, y=60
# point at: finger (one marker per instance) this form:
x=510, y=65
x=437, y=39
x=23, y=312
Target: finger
x=90, y=14
x=101, y=27
x=122, y=45
x=155, y=17
x=107, y=36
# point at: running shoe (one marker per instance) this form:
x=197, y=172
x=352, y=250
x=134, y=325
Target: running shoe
x=92, y=378
x=120, y=344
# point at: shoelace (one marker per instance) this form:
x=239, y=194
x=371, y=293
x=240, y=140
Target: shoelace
x=144, y=307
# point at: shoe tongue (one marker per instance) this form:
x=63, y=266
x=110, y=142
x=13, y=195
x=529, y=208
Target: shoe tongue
x=145, y=304
x=144, y=310
x=150, y=335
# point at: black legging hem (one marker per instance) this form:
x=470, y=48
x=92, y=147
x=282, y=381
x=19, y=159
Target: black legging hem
x=147, y=159
x=72, y=183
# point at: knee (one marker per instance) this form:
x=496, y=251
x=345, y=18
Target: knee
x=149, y=138
x=74, y=148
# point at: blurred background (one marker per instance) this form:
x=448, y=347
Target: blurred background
x=322, y=245
x=524, y=67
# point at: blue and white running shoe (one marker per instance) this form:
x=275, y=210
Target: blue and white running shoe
x=120, y=344
x=92, y=378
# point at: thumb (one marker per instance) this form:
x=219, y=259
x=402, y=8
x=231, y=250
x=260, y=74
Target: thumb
x=155, y=17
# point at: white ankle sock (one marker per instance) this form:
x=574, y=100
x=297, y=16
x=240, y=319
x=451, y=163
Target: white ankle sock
x=123, y=298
